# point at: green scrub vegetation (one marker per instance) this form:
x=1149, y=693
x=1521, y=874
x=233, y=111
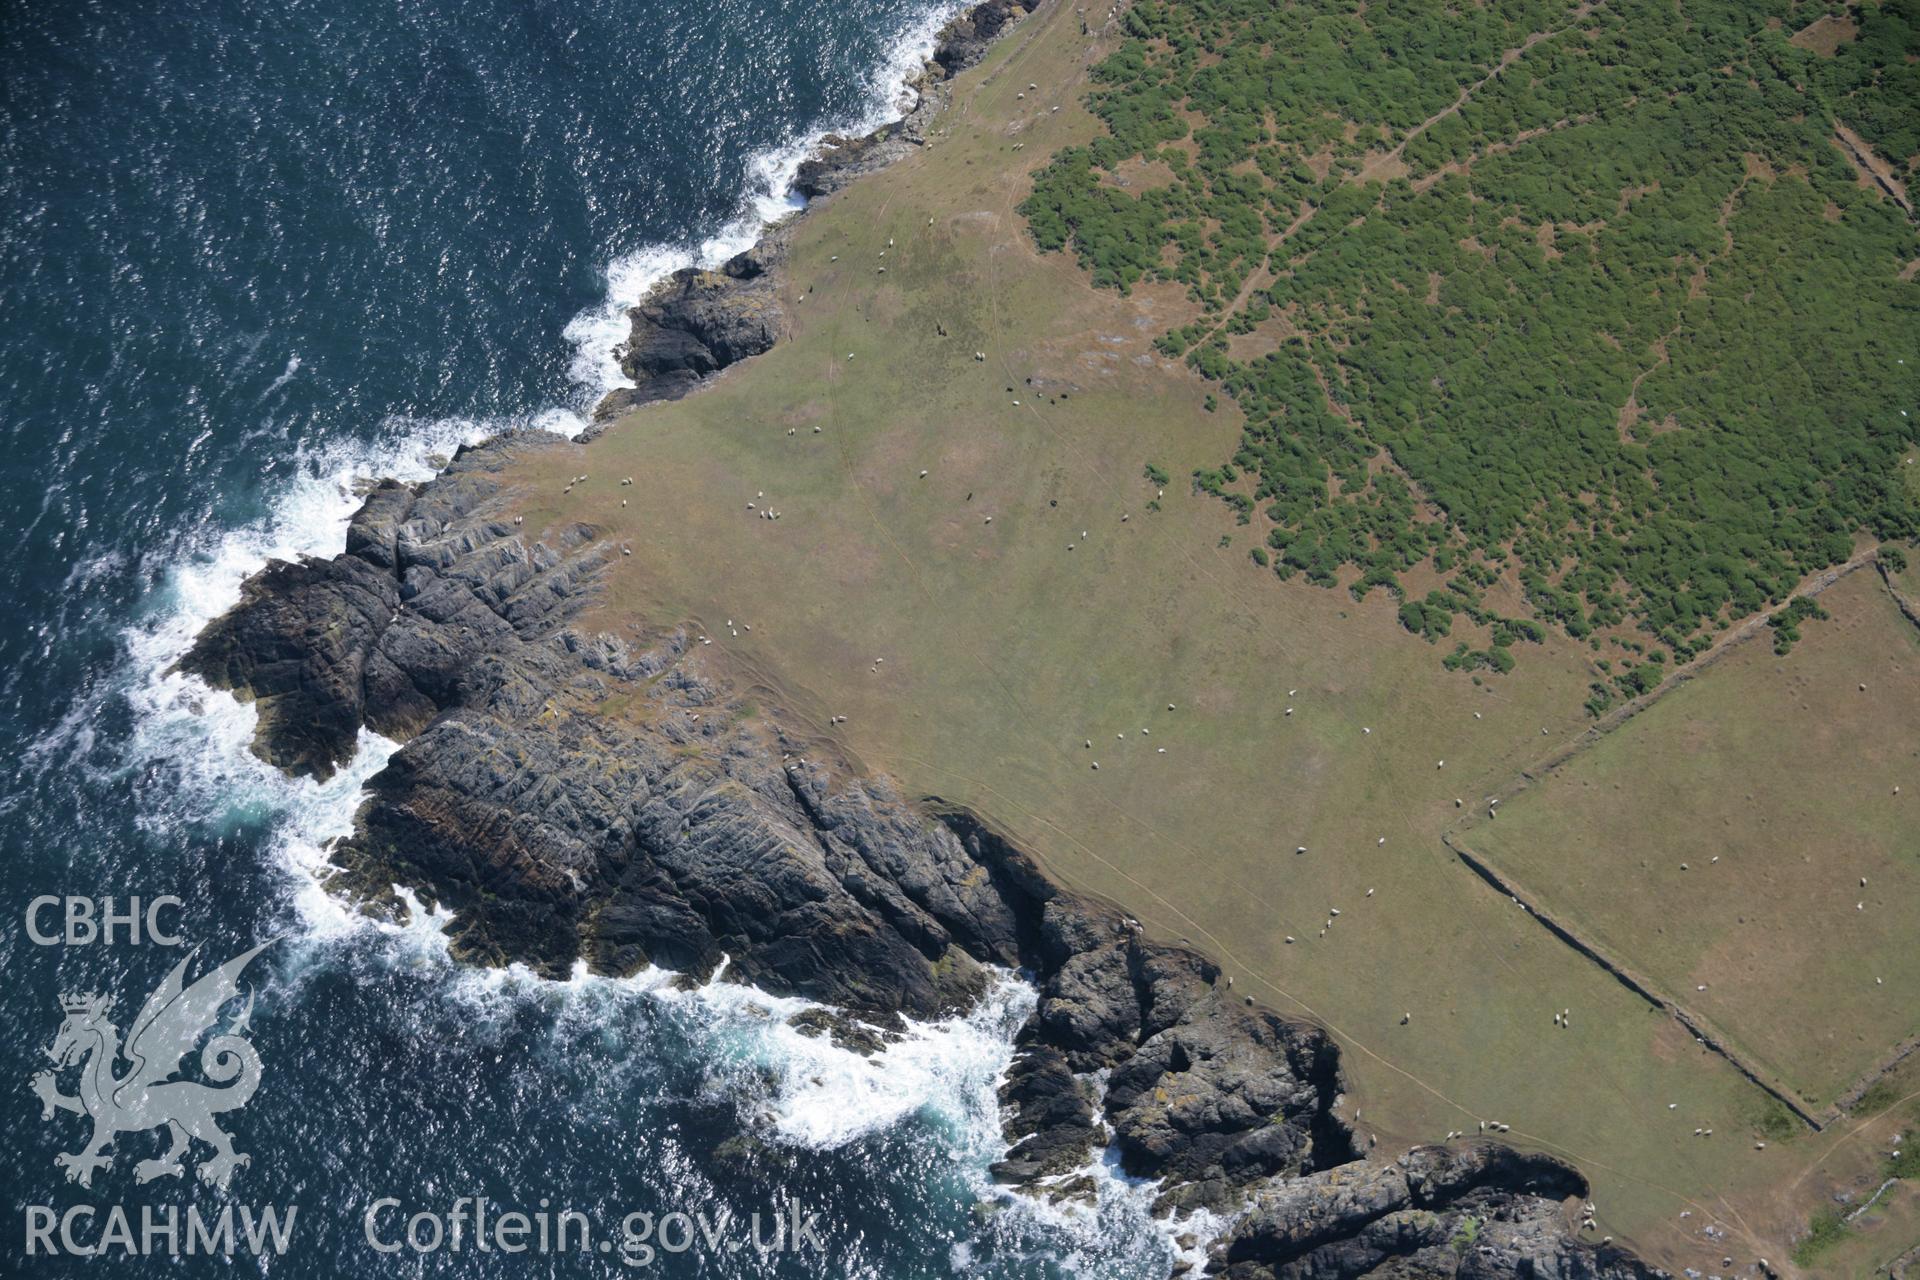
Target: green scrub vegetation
x=1585, y=299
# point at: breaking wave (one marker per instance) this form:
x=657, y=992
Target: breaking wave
x=189, y=747
x=204, y=735
x=769, y=196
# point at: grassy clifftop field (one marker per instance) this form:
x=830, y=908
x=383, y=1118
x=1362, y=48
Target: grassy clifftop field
x=998, y=557
x=1690, y=840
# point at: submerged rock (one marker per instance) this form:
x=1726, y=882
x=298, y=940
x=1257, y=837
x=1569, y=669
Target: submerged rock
x=853, y=1034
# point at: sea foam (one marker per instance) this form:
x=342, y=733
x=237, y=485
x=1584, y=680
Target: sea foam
x=767, y=198
x=204, y=735
x=791, y=1088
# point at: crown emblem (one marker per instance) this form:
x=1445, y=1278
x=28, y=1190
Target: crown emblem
x=176, y=1019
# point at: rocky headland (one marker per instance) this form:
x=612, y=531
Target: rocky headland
x=571, y=794
x=699, y=321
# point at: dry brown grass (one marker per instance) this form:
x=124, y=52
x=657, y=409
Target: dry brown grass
x=1005, y=652
x=1773, y=782
x=1826, y=33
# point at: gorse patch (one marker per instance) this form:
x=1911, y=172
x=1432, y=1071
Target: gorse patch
x=1786, y=622
x=1585, y=297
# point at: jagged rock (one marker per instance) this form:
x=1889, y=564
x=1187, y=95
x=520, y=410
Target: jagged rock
x=697, y=322
x=1054, y=1129
x=1477, y=1209
x=966, y=39
x=683, y=830
x=299, y=646
x=383, y=635
x=679, y=830
x=849, y=1033
x=1225, y=1097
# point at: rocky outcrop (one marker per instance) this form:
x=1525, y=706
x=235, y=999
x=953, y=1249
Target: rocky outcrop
x=572, y=796
x=576, y=797
x=697, y=322
x=961, y=43
x=968, y=37
x=384, y=635
x=1478, y=1210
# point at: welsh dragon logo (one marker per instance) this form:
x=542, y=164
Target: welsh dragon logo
x=146, y=1095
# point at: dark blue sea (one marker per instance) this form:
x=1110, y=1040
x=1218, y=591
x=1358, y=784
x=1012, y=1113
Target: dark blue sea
x=252, y=257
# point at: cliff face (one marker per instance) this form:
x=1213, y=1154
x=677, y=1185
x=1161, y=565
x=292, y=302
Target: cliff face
x=572, y=795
